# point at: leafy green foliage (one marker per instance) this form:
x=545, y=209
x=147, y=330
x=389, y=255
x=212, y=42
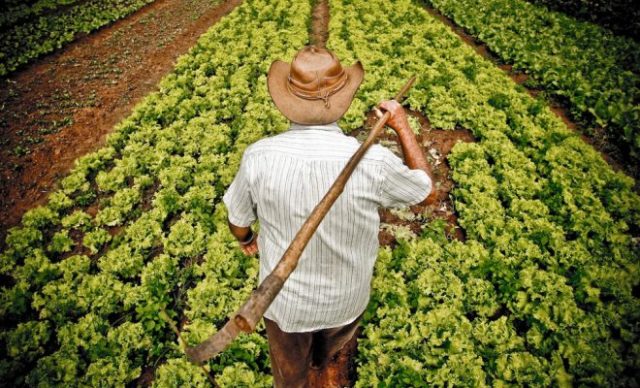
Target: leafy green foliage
x=541, y=293
x=61, y=242
x=29, y=31
x=95, y=239
x=620, y=16
x=147, y=210
x=518, y=303
x=77, y=220
x=178, y=372
x=594, y=70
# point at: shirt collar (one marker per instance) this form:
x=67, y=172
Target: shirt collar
x=324, y=127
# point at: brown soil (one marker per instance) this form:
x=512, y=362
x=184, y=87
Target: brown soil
x=597, y=137
x=436, y=144
x=146, y=377
x=341, y=370
x=62, y=106
x=517, y=76
x=320, y=24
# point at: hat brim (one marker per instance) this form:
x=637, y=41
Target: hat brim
x=308, y=112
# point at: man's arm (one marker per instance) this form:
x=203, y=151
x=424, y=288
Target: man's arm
x=413, y=154
x=247, y=239
x=241, y=208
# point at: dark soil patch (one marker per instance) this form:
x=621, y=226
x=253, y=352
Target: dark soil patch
x=341, y=370
x=78, y=247
x=146, y=377
x=517, y=76
x=320, y=24
x=437, y=144
x=62, y=106
x=597, y=137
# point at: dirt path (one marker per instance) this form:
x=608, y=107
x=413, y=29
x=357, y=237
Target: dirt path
x=62, y=106
x=319, y=33
x=598, y=139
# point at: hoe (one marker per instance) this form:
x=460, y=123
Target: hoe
x=248, y=316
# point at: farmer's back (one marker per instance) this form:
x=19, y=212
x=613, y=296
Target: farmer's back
x=285, y=177
x=280, y=181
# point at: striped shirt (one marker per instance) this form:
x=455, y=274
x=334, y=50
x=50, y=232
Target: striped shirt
x=279, y=182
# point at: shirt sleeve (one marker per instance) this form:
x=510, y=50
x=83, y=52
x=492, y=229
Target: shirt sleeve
x=241, y=207
x=402, y=186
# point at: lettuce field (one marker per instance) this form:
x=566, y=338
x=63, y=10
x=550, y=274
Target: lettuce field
x=544, y=290
x=31, y=28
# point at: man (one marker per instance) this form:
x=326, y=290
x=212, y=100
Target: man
x=282, y=178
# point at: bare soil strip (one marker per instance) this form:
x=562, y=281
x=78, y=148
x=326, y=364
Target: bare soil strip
x=597, y=139
x=320, y=24
x=62, y=106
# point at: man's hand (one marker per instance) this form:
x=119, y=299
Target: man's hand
x=398, y=119
x=251, y=248
x=414, y=155
x=244, y=233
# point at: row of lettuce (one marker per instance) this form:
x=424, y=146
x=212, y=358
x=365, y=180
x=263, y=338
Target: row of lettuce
x=28, y=31
x=133, y=229
x=620, y=16
x=11, y=12
x=594, y=71
x=545, y=289
x=543, y=292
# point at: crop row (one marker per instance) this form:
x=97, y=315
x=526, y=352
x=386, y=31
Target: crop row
x=135, y=225
x=595, y=72
x=544, y=290
x=620, y=16
x=38, y=35
x=12, y=13
x=224, y=276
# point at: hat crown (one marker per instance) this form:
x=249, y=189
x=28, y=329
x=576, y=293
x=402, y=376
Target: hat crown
x=315, y=69
x=314, y=88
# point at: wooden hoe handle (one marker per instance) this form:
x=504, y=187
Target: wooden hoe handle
x=252, y=311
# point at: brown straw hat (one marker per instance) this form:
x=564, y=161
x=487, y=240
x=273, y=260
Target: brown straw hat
x=314, y=88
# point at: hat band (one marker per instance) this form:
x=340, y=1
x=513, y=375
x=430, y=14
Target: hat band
x=320, y=94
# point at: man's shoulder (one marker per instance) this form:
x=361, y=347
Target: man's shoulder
x=294, y=142
x=266, y=145
x=259, y=146
x=297, y=141
x=381, y=154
